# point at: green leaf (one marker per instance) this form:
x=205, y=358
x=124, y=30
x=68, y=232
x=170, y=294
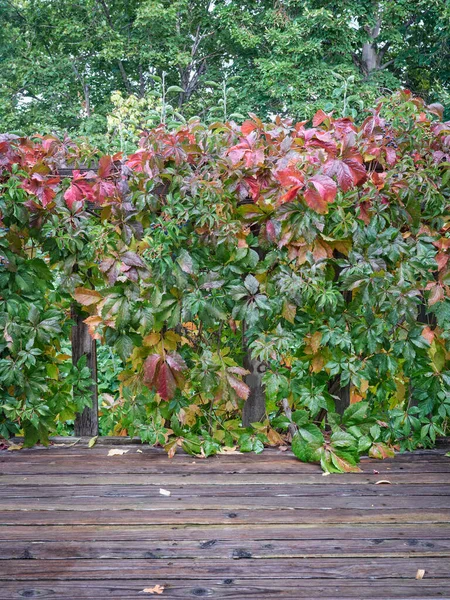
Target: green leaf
x=252, y=284
x=92, y=441
x=174, y=88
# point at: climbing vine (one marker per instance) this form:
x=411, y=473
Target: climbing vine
x=289, y=261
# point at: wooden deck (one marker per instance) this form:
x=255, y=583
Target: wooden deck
x=77, y=524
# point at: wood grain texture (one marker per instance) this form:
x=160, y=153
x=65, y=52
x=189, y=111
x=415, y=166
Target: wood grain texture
x=75, y=523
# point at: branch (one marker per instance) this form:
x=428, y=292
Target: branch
x=123, y=73
x=293, y=429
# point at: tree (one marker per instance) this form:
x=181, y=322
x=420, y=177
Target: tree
x=62, y=61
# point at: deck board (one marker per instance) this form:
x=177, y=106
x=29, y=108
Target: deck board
x=75, y=523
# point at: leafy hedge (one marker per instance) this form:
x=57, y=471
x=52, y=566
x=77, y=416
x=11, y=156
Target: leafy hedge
x=320, y=251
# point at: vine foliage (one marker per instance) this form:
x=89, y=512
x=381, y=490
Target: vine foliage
x=319, y=250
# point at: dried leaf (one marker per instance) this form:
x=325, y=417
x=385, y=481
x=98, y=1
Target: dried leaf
x=228, y=450
x=157, y=589
x=420, y=573
x=13, y=447
x=116, y=452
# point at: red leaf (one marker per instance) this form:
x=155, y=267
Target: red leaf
x=271, y=232
x=321, y=191
x=247, y=127
x=349, y=171
x=105, y=165
x=176, y=362
x=150, y=368
x=319, y=118
x=166, y=382
x=436, y=109
x=441, y=260
x=241, y=388
x=290, y=177
x=79, y=191
x=436, y=295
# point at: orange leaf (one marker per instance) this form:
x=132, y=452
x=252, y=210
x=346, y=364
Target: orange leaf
x=86, y=297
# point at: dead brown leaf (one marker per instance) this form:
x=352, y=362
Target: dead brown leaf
x=13, y=447
x=420, y=573
x=157, y=589
x=116, y=452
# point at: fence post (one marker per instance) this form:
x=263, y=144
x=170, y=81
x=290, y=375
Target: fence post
x=86, y=423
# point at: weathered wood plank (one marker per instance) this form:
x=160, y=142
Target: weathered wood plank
x=204, y=491
x=280, y=502
x=215, y=548
x=148, y=465
x=230, y=531
x=168, y=479
x=206, y=516
x=184, y=570
x=230, y=589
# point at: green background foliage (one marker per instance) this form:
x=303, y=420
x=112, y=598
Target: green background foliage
x=61, y=61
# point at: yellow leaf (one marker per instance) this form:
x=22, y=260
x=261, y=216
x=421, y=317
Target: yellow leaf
x=289, y=311
x=171, y=340
x=152, y=339
x=92, y=441
x=317, y=363
x=315, y=341
x=13, y=447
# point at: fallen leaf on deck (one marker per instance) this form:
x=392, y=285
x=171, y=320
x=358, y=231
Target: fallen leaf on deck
x=228, y=450
x=164, y=492
x=382, y=481
x=420, y=573
x=140, y=451
x=92, y=441
x=116, y=452
x=12, y=447
x=158, y=589
x=447, y=454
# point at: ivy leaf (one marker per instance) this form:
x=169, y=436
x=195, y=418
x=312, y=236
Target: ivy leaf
x=289, y=311
x=241, y=388
x=252, y=284
x=164, y=373
x=381, y=451
x=185, y=261
x=321, y=191
x=86, y=297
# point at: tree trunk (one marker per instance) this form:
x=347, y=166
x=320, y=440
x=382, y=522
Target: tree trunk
x=342, y=399
x=86, y=423
x=255, y=406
